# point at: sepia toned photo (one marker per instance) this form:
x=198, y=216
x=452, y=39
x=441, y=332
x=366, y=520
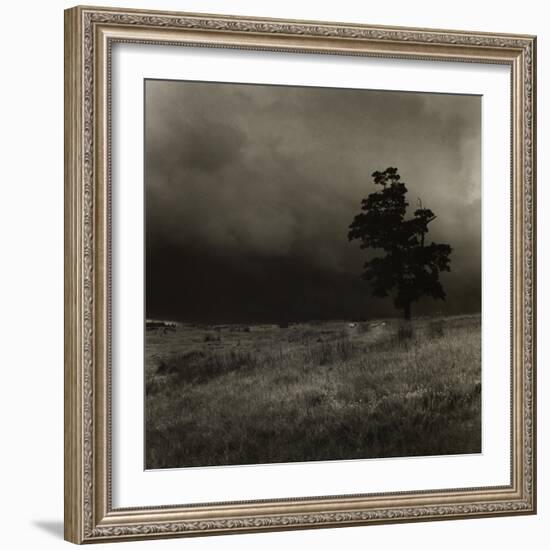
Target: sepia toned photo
x=312, y=274
x=300, y=274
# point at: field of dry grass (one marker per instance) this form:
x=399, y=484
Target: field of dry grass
x=237, y=394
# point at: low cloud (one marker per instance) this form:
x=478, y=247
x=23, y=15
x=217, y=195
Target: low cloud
x=237, y=175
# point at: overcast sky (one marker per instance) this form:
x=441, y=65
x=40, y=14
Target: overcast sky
x=250, y=190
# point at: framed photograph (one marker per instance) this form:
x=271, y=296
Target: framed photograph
x=300, y=274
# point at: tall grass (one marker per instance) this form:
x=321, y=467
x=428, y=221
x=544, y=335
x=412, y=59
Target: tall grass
x=316, y=393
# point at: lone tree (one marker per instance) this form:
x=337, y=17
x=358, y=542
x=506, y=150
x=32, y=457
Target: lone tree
x=410, y=266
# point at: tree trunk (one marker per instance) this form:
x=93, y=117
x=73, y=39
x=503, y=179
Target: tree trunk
x=407, y=311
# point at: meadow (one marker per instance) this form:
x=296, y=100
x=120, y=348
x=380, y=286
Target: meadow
x=254, y=394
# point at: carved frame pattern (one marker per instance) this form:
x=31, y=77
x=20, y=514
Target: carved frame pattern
x=88, y=512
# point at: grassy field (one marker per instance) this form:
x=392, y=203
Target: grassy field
x=236, y=394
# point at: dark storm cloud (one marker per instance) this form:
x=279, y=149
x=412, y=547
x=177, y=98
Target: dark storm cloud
x=210, y=152
x=250, y=190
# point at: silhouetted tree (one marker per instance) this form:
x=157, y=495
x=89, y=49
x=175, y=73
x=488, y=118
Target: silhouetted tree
x=410, y=266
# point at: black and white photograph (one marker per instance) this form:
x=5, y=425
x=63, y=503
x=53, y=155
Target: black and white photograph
x=272, y=275
x=312, y=274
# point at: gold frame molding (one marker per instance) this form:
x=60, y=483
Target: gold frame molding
x=89, y=35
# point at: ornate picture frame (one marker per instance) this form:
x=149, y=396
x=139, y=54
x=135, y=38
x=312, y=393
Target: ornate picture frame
x=90, y=34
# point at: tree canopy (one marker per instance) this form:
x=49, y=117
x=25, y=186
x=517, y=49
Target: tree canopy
x=409, y=267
